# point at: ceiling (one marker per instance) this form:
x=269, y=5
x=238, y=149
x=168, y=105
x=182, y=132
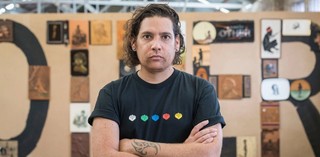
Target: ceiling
x=102, y=6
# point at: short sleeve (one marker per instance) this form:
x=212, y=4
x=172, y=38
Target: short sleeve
x=105, y=105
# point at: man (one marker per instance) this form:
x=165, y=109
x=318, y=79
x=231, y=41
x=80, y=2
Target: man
x=157, y=111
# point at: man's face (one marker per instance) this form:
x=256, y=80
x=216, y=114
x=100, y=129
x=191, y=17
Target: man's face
x=156, y=44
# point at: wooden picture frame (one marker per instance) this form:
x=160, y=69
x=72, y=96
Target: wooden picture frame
x=230, y=86
x=213, y=79
x=6, y=31
x=80, y=145
x=79, y=91
x=202, y=72
x=270, y=143
x=120, y=36
x=39, y=82
x=270, y=115
x=55, y=32
x=79, y=34
x=269, y=68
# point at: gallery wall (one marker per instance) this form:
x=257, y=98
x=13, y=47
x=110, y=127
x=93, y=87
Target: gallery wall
x=242, y=115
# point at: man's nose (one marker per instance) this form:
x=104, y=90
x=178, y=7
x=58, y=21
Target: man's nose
x=156, y=44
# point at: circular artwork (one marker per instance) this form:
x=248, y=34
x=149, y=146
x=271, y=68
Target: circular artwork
x=204, y=32
x=202, y=73
x=300, y=90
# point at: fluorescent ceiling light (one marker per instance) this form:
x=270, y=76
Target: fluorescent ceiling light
x=10, y=6
x=224, y=10
x=2, y=10
x=204, y=1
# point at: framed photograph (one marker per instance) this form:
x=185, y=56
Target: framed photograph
x=296, y=27
x=79, y=89
x=246, y=146
x=8, y=148
x=270, y=115
x=39, y=82
x=246, y=86
x=79, y=62
x=270, y=143
x=300, y=89
x=100, y=32
x=120, y=36
x=202, y=72
x=201, y=55
x=274, y=89
x=213, y=79
x=270, y=38
x=203, y=33
x=269, y=68
x=55, y=32
x=80, y=145
x=78, y=33
x=79, y=114
x=230, y=86
x=6, y=31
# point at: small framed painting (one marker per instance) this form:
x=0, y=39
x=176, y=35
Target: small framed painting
x=6, y=31
x=55, y=32
x=100, y=32
x=39, y=82
x=270, y=38
x=79, y=114
x=269, y=68
x=230, y=86
x=273, y=89
x=79, y=62
x=213, y=79
x=246, y=86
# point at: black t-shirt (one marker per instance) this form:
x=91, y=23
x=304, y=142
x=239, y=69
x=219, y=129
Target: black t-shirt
x=164, y=112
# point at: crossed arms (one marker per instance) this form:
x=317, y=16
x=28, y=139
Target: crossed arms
x=105, y=142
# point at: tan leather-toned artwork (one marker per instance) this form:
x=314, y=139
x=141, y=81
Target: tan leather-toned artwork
x=79, y=89
x=270, y=115
x=230, y=86
x=39, y=82
x=100, y=32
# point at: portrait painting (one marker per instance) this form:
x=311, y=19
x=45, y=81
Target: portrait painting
x=300, y=89
x=6, y=31
x=79, y=62
x=246, y=86
x=203, y=33
x=296, y=27
x=201, y=55
x=55, y=32
x=269, y=68
x=270, y=143
x=100, y=32
x=270, y=38
x=125, y=70
x=270, y=115
x=80, y=145
x=273, y=89
x=230, y=86
x=78, y=34
x=79, y=91
x=79, y=114
x=202, y=72
x=120, y=36
x=246, y=146
x=39, y=82
x=213, y=79
x=8, y=148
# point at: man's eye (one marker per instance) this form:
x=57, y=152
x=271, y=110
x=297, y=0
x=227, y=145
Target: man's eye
x=146, y=36
x=166, y=37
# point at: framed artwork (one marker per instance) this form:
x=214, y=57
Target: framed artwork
x=230, y=86
x=55, y=32
x=229, y=147
x=270, y=38
x=203, y=33
x=270, y=143
x=79, y=89
x=100, y=32
x=270, y=115
x=6, y=31
x=79, y=114
x=78, y=33
x=8, y=148
x=300, y=90
x=269, y=68
x=79, y=62
x=246, y=86
x=213, y=79
x=80, y=145
x=120, y=35
x=39, y=82
x=246, y=146
x=125, y=70
x=296, y=27
x=201, y=55
x=202, y=72
x=273, y=89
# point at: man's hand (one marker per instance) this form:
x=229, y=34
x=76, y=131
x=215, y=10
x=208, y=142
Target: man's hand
x=201, y=136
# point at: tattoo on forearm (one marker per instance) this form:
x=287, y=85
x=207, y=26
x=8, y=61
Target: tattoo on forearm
x=142, y=147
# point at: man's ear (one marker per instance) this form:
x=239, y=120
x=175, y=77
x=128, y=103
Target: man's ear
x=177, y=42
x=133, y=46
